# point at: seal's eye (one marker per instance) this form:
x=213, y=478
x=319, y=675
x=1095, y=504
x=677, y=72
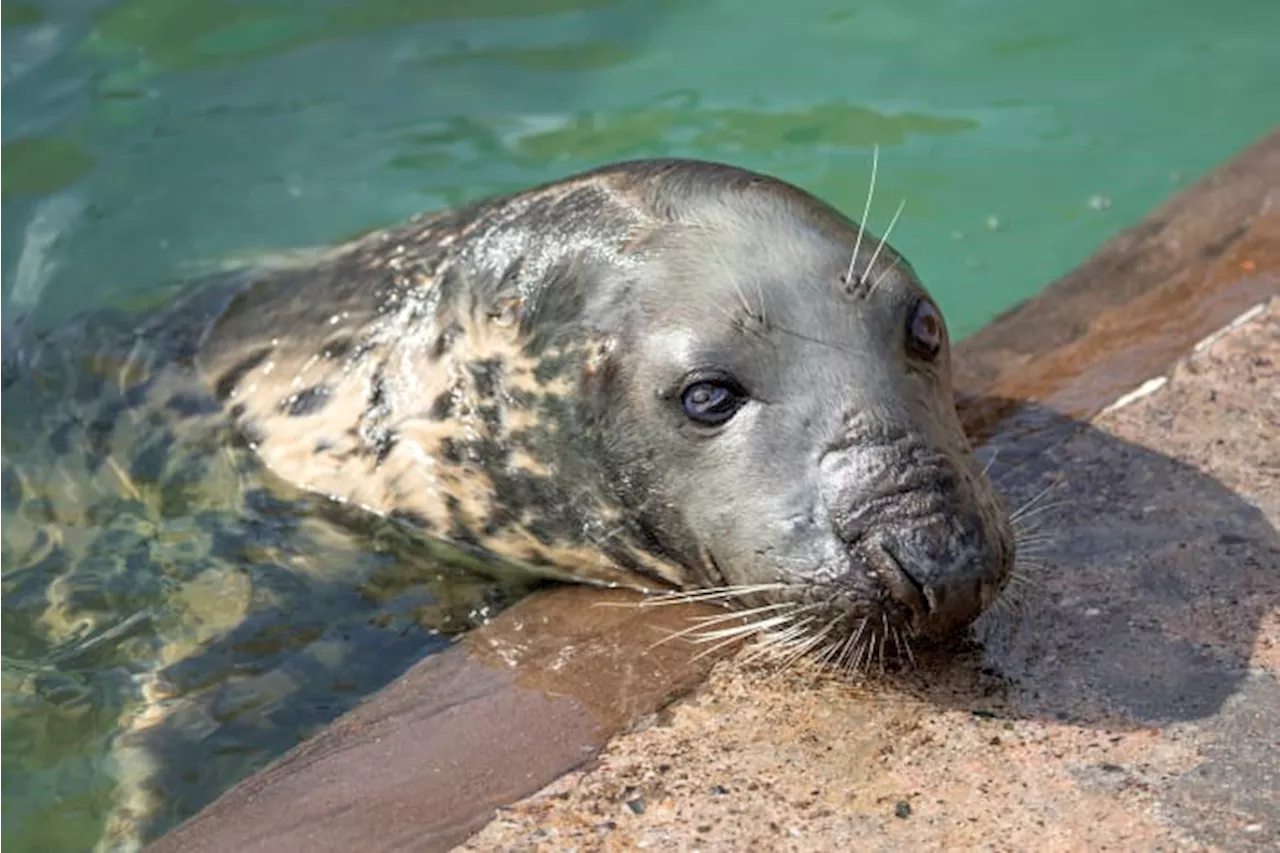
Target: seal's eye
x=925, y=330
x=712, y=402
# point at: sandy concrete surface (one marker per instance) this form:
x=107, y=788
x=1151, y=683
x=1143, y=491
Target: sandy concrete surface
x=1128, y=700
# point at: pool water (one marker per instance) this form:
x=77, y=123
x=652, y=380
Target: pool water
x=151, y=141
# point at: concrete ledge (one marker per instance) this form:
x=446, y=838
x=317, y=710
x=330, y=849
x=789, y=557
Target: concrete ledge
x=543, y=688
x=1129, y=701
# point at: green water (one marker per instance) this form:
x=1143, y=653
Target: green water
x=150, y=140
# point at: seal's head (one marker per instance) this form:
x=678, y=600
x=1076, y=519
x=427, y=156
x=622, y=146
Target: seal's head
x=665, y=370
x=779, y=416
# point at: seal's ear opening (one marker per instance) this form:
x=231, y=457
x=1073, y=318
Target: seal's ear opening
x=553, y=306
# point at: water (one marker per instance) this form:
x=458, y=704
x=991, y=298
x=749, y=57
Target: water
x=150, y=140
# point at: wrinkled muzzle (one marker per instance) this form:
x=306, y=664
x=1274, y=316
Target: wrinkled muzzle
x=916, y=524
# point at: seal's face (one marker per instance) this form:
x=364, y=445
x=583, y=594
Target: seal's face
x=786, y=427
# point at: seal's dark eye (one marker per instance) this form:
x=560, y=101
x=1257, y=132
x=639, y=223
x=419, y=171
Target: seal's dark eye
x=712, y=402
x=925, y=330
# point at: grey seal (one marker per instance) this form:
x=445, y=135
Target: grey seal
x=665, y=373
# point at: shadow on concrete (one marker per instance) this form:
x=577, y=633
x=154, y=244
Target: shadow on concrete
x=1143, y=607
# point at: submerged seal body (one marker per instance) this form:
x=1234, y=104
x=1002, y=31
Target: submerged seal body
x=666, y=372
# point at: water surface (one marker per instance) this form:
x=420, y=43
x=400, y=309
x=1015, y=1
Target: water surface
x=147, y=141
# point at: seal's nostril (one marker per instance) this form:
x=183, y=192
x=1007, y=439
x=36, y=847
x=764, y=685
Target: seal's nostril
x=902, y=586
x=935, y=596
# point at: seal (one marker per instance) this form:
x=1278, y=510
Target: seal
x=664, y=373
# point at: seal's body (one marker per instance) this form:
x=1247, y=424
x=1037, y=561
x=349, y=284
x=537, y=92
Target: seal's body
x=661, y=371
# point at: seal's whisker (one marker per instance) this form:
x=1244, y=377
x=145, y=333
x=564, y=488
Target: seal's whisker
x=770, y=641
x=1033, y=548
x=837, y=649
x=1032, y=544
x=883, y=238
x=796, y=651
x=1027, y=563
x=830, y=653
x=804, y=647
x=846, y=654
x=717, y=647
x=986, y=469
x=884, y=619
x=866, y=213
x=906, y=647
x=1035, y=499
x=736, y=630
x=664, y=599
x=1024, y=515
x=842, y=649
x=719, y=592
x=855, y=647
x=791, y=638
x=703, y=622
x=1019, y=518
x=1018, y=579
x=864, y=654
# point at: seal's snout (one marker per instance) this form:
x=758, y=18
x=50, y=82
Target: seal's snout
x=917, y=530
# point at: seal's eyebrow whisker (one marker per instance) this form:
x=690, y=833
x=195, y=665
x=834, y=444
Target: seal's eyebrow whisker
x=742, y=298
x=757, y=315
x=728, y=314
x=883, y=238
x=866, y=212
x=764, y=316
x=893, y=266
